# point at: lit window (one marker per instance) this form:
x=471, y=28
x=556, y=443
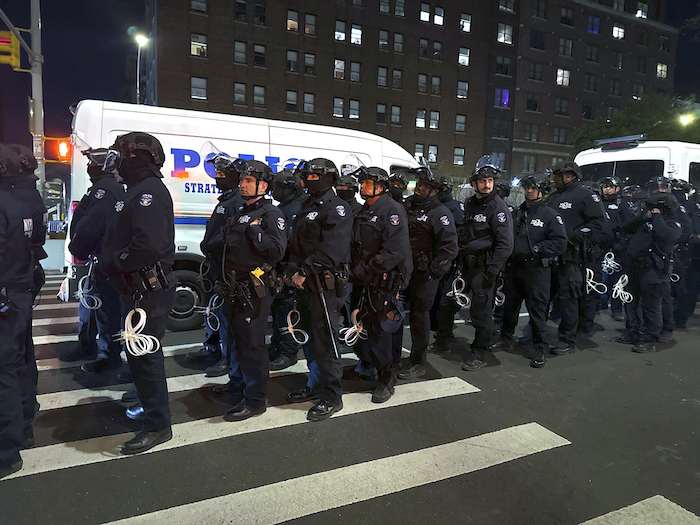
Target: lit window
x=354, y=109
x=661, y=70
x=340, y=31
x=529, y=163
x=396, y=115
x=422, y=83
x=560, y=135
x=505, y=34
x=354, y=71
x=383, y=6
x=399, y=9
x=418, y=152
x=439, y=18
x=437, y=50
x=381, y=76
x=618, y=31
x=381, y=113
x=383, y=40
x=506, y=5
x=259, y=55
x=434, y=120
x=502, y=98
x=463, y=59
x=462, y=89
x=310, y=24
x=432, y=153
x=397, y=76
x=239, y=52
x=532, y=102
x=642, y=9
x=293, y=21
x=593, y=24
x=435, y=85
x=561, y=106
x=425, y=12
x=465, y=22
x=198, y=45
x=539, y=9
x=198, y=5
x=532, y=132
x=563, y=77
x=458, y=157
x=239, y=12
x=398, y=42
x=292, y=61
x=615, y=88
x=309, y=64
x=239, y=93
x=259, y=96
x=420, y=118
x=292, y=101
x=567, y=16
x=260, y=16
x=503, y=66
x=338, y=104
x=423, y=48
x=461, y=123
x=339, y=69
x=356, y=35
x=566, y=47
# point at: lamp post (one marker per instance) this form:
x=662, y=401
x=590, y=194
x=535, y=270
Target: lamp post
x=141, y=41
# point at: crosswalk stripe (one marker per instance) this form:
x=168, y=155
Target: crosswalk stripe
x=54, y=339
x=656, y=510
x=54, y=320
x=106, y=448
x=58, y=306
x=323, y=491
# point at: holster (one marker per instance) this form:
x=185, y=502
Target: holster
x=148, y=279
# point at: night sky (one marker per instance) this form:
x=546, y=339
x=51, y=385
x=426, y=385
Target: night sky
x=86, y=45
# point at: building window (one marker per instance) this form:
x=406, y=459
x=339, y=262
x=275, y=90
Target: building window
x=618, y=31
x=617, y=59
x=396, y=115
x=534, y=71
x=591, y=53
x=561, y=107
x=642, y=65
x=612, y=112
x=462, y=89
x=439, y=17
x=434, y=120
x=259, y=18
x=642, y=9
x=505, y=34
x=463, y=59
x=383, y=6
x=503, y=66
x=259, y=96
x=619, y=5
x=239, y=52
x=239, y=12
x=340, y=31
x=506, y=5
x=354, y=110
x=423, y=48
x=357, y=3
x=567, y=16
x=420, y=118
x=381, y=76
x=557, y=160
x=354, y=71
x=502, y=157
x=663, y=44
x=338, y=104
x=465, y=22
x=422, y=83
x=293, y=21
x=643, y=38
x=435, y=85
x=383, y=40
x=637, y=91
x=532, y=102
x=309, y=64
x=356, y=35
x=500, y=129
x=587, y=111
x=310, y=25
x=589, y=82
x=339, y=69
x=614, y=87
x=458, y=157
x=593, y=24
x=198, y=88
x=529, y=163
x=399, y=9
x=432, y=153
x=397, y=76
x=531, y=132
x=292, y=101
x=566, y=47
x=198, y=45
x=661, y=70
x=502, y=98
x=239, y=93
x=560, y=135
x=563, y=77
x=418, y=152
x=461, y=123
x=437, y=50
x=537, y=39
x=381, y=113
x=539, y=9
x=292, y=61
x=425, y=12
x=198, y=5
x=398, y=42
x=259, y=55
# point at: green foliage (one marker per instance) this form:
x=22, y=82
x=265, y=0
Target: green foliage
x=657, y=115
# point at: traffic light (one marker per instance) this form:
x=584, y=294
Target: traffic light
x=9, y=49
x=57, y=149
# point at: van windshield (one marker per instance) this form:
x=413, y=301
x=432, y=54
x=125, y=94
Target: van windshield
x=628, y=171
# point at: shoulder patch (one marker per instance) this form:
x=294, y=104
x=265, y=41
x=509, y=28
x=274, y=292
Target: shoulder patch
x=146, y=199
x=99, y=194
x=220, y=210
x=560, y=220
x=280, y=223
x=340, y=209
x=595, y=197
x=501, y=216
x=394, y=220
x=119, y=206
x=445, y=220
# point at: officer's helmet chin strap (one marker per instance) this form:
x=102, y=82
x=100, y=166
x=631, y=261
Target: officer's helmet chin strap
x=136, y=343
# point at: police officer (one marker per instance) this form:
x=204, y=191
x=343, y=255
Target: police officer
x=487, y=242
x=86, y=244
x=381, y=265
x=584, y=219
x=256, y=239
x=18, y=254
x=433, y=238
x=319, y=249
x=653, y=230
x=681, y=256
x=347, y=190
x=612, y=203
x=137, y=257
x=686, y=302
x=398, y=182
x=539, y=238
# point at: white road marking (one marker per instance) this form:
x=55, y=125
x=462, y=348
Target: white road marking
x=56, y=306
x=54, y=320
x=96, y=450
x=298, y=497
x=656, y=510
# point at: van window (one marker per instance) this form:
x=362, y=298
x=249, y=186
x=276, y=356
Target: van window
x=694, y=174
x=628, y=171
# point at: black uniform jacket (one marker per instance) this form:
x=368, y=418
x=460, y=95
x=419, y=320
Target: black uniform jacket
x=539, y=232
x=657, y=234
x=581, y=209
x=433, y=236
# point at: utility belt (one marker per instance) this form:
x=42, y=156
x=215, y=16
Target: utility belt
x=148, y=279
x=659, y=262
x=532, y=261
x=388, y=282
x=478, y=260
x=331, y=280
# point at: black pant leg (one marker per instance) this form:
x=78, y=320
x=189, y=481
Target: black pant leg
x=655, y=287
x=537, y=287
x=569, y=281
x=481, y=311
x=512, y=288
x=108, y=319
x=422, y=296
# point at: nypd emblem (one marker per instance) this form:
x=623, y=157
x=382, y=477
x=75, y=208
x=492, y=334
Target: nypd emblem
x=280, y=223
x=146, y=199
x=312, y=216
x=565, y=206
x=340, y=209
x=613, y=207
x=394, y=220
x=445, y=220
x=422, y=218
x=595, y=197
x=99, y=194
x=119, y=206
x=501, y=217
x=480, y=217
x=220, y=210
x=244, y=219
x=373, y=219
x=537, y=222
x=560, y=220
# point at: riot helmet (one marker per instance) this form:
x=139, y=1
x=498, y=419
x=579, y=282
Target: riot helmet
x=324, y=169
x=26, y=157
x=567, y=167
x=502, y=188
x=659, y=184
x=287, y=185
x=261, y=172
x=680, y=188
x=593, y=186
x=231, y=169
x=10, y=162
x=380, y=178
x=398, y=182
x=347, y=188
x=96, y=161
x=445, y=194
x=488, y=166
x=135, y=156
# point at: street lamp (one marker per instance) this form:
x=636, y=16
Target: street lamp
x=141, y=40
x=686, y=119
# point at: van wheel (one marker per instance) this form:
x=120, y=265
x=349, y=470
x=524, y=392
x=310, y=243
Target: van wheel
x=188, y=295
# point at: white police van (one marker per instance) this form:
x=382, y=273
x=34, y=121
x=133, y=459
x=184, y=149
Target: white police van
x=634, y=160
x=185, y=136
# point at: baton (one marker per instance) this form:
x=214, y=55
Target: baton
x=328, y=317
